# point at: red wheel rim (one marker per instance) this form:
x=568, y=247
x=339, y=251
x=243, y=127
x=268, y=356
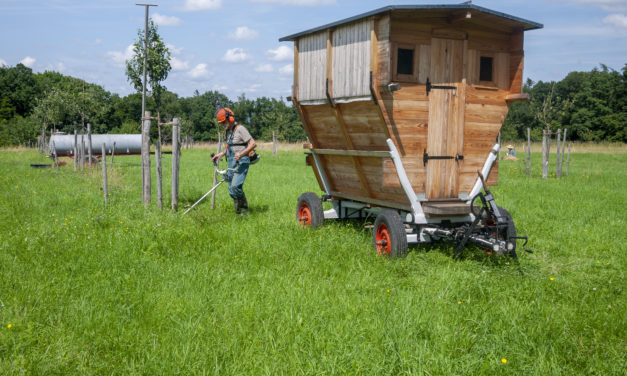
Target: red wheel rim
x=304, y=215
x=384, y=246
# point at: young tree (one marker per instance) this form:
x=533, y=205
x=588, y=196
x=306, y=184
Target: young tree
x=157, y=63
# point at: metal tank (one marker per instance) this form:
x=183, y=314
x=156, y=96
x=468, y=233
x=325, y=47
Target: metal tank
x=124, y=143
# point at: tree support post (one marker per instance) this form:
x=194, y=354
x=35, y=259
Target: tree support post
x=176, y=155
x=146, y=159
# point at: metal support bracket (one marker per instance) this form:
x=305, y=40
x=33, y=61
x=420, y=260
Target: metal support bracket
x=426, y=157
x=431, y=87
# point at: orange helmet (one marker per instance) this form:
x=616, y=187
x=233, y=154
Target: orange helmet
x=225, y=113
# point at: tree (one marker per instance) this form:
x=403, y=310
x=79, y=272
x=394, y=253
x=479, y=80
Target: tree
x=157, y=64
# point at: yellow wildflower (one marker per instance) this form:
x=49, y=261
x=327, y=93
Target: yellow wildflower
x=503, y=360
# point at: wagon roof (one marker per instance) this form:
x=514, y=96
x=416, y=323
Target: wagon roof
x=519, y=22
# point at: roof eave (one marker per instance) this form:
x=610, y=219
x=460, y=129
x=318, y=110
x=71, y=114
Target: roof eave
x=527, y=25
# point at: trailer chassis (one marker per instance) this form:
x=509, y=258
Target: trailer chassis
x=487, y=225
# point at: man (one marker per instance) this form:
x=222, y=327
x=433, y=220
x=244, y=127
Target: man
x=239, y=143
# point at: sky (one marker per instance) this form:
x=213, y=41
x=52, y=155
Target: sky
x=232, y=46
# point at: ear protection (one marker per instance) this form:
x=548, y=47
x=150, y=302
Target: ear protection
x=225, y=113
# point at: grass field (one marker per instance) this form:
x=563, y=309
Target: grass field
x=89, y=289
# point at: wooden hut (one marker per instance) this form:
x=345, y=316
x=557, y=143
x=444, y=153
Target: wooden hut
x=435, y=80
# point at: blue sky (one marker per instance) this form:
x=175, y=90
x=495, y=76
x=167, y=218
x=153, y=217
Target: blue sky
x=232, y=45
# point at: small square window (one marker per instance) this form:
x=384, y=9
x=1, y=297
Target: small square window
x=485, y=68
x=405, y=61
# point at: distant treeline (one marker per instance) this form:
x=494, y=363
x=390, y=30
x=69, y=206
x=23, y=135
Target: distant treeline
x=592, y=105
x=29, y=101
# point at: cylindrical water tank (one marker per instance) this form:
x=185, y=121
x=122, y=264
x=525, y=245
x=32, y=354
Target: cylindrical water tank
x=124, y=143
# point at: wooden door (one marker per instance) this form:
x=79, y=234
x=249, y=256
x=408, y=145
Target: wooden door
x=446, y=118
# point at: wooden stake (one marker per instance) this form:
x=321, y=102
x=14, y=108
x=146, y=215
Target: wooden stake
x=563, y=148
x=215, y=174
x=529, y=151
x=545, y=164
x=75, y=151
x=54, y=152
x=104, y=175
x=558, y=170
x=568, y=160
x=112, y=154
x=146, y=159
x=274, y=146
x=176, y=156
x=89, y=145
x=83, y=150
x=158, y=166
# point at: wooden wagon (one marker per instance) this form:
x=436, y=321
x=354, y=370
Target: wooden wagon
x=402, y=107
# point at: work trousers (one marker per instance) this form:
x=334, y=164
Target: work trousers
x=236, y=177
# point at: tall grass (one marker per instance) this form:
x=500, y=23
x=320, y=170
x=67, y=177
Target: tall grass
x=92, y=289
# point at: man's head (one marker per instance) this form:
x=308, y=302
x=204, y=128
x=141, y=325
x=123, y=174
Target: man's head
x=225, y=116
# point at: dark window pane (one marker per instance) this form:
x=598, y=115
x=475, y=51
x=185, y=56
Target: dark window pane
x=405, y=61
x=485, y=70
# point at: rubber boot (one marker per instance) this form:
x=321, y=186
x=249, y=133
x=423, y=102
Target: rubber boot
x=243, y=205
x=236, y=204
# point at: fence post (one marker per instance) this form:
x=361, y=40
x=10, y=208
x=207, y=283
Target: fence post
x=568, y=160
x=146, y=158
x=104, y=174
x=89, y=145
x=544, y=161
x=83, y=150
x=529, y=151
x=75, y=151
x=274, y=145
x=215, y=173
x=176, y=154
x=563, y=149
x=558, y=169
x=112, y=154
x=158, y=166
x=54, y=152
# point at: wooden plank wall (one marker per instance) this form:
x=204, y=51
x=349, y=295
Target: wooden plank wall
x=406, y=110
x=312, y=57
x=351, y=60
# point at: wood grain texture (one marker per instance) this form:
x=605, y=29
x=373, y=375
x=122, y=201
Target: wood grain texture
x=311, y=66
x=351, y=60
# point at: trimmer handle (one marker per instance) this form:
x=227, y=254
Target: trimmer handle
x=215, y=162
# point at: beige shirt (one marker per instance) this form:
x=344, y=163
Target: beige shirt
x=240, y=136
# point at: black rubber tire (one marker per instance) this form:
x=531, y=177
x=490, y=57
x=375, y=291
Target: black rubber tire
x=389, y=237
x=510, y=232
x=309, y=210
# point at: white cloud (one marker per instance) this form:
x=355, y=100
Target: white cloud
x=28, y=61
x=287, y=69
x=618, y=20
x=3, y=63
x=174, y=50
x=220, y=87
x=178, y=64
x=608, y=5
x=193, y=5
x=162, y=20
x=199, y=71
x=281, y=53
x=244, y=33
x=120, y=58
x=309, y=3
x=264, y=68
x=253, y=88
x=235, y=55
